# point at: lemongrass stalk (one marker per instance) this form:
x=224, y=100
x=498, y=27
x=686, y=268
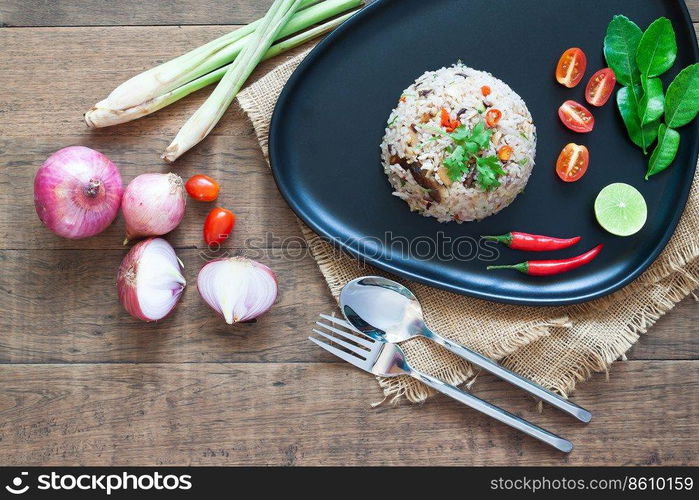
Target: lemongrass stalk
x=175, y=95
x=175, y=72
x=207, y=116
x=170, y=75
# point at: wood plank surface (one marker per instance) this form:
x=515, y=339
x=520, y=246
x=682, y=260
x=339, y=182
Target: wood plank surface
x=263, y=218
x=61, y=306
x=129, y=12
x=50, y=95
x=81, y=382
x=311, y=414
x=138, y=12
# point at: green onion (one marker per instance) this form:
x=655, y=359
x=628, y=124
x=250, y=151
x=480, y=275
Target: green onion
x=159, y=86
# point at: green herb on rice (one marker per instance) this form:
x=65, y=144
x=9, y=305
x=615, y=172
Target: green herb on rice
x=464, y=155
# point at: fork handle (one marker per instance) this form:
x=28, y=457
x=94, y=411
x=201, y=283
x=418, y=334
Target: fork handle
x=491, y=366
x=495, y=412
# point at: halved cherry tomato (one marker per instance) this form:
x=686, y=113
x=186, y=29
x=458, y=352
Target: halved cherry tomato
x=576, y=117
x=600, y=87
x=492, y=117
x=571, y=67
x=218, y=225
x=202, y=188
x=572, y=162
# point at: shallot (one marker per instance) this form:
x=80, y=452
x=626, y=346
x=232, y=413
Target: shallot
x=153, y=205
x=77, y=192
x=237, y=288
x=150, y=280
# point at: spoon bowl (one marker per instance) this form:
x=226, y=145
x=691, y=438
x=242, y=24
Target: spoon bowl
x=380, y=307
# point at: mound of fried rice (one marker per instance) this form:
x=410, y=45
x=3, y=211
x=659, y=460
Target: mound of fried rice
x=412, y=150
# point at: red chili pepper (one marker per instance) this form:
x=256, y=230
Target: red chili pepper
x=492, y=117
x=449, y=124
x=551, y=267
x=533, y=242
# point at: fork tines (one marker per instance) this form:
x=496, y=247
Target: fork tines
x=356, y=349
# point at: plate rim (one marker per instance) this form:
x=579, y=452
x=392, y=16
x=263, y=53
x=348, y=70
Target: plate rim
x=276, y=123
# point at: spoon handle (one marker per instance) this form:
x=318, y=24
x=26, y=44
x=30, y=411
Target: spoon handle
x=495, y=412
x=491, y=366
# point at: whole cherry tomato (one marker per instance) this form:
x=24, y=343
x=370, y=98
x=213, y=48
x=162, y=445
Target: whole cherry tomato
x=202, y=188
x=218, y=225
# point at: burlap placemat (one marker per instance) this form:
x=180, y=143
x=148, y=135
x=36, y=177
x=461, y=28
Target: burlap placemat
x=554, y=346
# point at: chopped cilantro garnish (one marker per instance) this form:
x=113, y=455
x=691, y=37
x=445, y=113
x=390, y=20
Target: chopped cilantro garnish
x=456, y=163
x=488, y=169
x=467, y=145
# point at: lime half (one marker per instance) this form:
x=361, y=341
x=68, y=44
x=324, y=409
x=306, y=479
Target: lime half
x=621, y=209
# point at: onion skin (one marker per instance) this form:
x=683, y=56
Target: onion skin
x=153, y=205
x=237, y=288
x=127, y=280
x=77, y=192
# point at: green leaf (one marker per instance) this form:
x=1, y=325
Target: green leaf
x=627, y=102
x=652, y=104
x=657, y=49
x=460, y=133
x=665, y=151
x=682, y=99
x=456, y=163
x=488, y=169
x=471, y=147
x=481, y=135
x=620, y=45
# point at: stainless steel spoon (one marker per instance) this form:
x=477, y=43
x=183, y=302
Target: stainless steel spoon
x=382, y=308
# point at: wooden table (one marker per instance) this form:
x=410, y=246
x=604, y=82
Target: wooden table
x=81, y=382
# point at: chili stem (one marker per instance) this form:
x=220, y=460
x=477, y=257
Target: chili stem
x=505, y=239
x=522, y=267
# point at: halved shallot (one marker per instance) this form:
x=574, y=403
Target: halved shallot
x=237, y=288
x=150, y=280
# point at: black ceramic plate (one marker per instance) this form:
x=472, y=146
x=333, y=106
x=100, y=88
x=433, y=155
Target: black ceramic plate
x=330, y=119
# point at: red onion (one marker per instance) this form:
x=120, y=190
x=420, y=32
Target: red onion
x=150, y=280
x=153, y=205
x=77, y=192
x=237, y=288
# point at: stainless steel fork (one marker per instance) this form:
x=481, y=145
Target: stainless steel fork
x=387, y=360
